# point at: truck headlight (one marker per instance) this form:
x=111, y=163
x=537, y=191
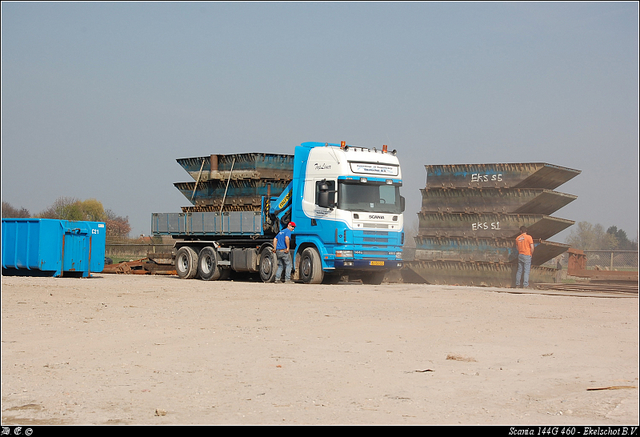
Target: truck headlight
x=398, y=255
x=344, y=253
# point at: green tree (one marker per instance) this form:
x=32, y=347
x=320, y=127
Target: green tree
x=622, y=241
x=586, y=236
x=92, y=210
x=64, y=208
x=71, y=208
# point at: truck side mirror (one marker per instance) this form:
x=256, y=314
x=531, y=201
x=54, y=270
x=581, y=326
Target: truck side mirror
x=402, y=204
x=326, y=197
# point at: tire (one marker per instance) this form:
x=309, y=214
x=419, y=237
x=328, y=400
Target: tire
x=268, y=265
x=208, y=269
x=375, y=278
x=186, y=263
x=311, y=266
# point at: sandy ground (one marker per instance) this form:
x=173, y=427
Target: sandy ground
x=130, y=349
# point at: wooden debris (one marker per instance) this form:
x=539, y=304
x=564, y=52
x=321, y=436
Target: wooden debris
x=597, y=286
x=142, y=266
x=612, y=387
x=460, y=358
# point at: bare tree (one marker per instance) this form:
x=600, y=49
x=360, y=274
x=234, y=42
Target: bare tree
x=117, y=226
x=9, y=211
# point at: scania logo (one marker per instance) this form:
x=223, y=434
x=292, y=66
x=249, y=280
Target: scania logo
x=376, y=217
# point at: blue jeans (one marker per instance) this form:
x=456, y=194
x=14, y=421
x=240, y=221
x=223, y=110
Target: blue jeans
x=524, y=266
x=283, y=258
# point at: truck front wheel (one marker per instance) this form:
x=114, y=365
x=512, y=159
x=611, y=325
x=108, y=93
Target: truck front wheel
x=268, y=265
x=311, y=266
x=186, y=263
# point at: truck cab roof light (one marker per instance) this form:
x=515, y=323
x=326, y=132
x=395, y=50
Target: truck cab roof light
x=384, y=148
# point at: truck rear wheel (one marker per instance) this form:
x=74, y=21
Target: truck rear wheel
x=186, y=263
x=311, y=266
x=268, y=265
x=208, y=269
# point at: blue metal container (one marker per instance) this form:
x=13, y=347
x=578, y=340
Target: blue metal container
x=47, y=247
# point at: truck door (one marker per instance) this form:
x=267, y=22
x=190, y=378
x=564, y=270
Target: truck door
x=324, y=209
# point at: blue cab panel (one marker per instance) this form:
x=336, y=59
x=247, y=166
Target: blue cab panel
x=48, y=247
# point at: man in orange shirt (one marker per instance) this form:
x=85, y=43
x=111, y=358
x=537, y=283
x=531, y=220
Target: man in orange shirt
x=524, y=242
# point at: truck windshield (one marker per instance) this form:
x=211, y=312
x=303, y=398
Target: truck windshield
x=369, y=197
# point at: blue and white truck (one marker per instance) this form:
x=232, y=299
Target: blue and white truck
x=344, y=199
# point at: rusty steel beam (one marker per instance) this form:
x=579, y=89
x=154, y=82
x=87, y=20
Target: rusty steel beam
x=523, y=175
x=214, y=190
x=488, y=225
x=228, y=206
x=499, y=200
x=239, y=166
x=471, y=214
x=471, y=273
x=482, y=249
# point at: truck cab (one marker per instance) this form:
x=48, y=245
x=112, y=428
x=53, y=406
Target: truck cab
x=347, y=207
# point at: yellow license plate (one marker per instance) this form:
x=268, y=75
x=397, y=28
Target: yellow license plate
x=376, y=263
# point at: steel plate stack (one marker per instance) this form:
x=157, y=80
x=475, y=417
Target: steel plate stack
x=234, y=182
x=471, y=215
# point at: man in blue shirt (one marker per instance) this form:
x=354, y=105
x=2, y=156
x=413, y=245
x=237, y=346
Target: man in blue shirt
x=281, y=244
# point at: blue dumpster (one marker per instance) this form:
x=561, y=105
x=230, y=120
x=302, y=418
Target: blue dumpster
x=48, y=247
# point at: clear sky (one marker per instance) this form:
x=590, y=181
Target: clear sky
x=99, y=99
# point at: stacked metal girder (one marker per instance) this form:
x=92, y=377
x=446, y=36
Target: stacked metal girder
x=471, y=214
x=234, y=182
